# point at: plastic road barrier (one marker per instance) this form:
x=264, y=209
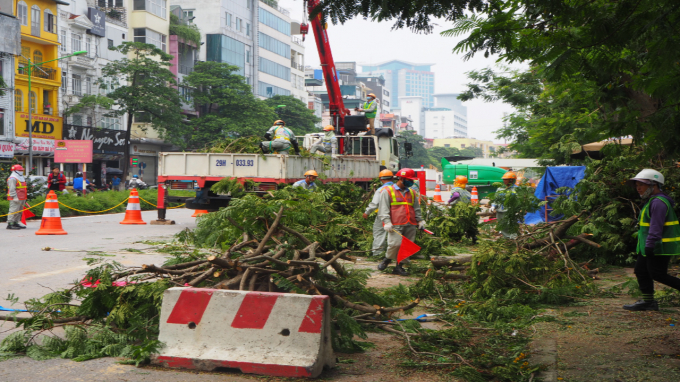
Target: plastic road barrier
x=277, y=334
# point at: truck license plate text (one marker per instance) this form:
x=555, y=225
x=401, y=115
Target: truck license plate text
x=221, y=162
x=243, y=162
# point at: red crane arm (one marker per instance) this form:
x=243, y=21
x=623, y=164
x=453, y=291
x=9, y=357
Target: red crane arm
x=336, y=106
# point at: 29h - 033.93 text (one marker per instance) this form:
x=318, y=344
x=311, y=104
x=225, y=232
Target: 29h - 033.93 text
x=239, y=162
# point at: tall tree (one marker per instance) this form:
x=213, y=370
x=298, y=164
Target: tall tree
x=142, y=85
x=420, y=156
x=226, y=105
x=295, y=113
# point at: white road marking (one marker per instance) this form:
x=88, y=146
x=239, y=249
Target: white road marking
x=39, y=275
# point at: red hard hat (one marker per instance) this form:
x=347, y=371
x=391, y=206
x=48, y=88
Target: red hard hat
x=17, y=167
x=407, y=173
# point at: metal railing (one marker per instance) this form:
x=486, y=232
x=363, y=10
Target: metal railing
x=297, y=66
x=116, y=15
x=38, y=71
x=184, y=69
x=275, y=4
x=297, y=41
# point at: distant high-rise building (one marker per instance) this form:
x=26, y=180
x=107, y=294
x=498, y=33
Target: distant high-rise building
x=448, y=119
x=404, y=79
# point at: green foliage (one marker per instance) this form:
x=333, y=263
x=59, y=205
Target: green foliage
x=187, y=32
x=227, y=106
x=420, y=155
x=229, y=186
x=298, y=117
x=453, y=222
x=516, y=205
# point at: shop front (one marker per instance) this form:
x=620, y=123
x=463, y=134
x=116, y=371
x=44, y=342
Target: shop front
x=46, y=129
x=108, y=149
x=144, y=162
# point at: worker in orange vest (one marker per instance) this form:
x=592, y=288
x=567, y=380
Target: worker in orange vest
x=399, y=210
x=17, y=193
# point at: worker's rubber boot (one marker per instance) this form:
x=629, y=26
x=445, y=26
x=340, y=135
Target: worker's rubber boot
x=383, y=264
x=12, y=226
x=642, y=305
x=399, y=270
x=20, y=225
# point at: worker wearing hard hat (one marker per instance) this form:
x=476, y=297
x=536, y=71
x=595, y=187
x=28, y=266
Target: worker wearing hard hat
x=279, y=138
x=17, y=194
x=509, y=179
x=399, y=212
x=379, y=234
x=308, y=182
x=658, y=238
x=370, y=110
x=459, y=194
x=327, y=143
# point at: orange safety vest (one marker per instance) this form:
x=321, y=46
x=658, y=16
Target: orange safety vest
x=22, y=192
x=401, y=207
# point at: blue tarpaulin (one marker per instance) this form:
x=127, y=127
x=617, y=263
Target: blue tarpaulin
x=554, y=178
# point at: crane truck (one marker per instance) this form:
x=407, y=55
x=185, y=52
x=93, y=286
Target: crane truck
x=359, y=159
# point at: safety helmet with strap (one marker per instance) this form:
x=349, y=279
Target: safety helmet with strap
x=509, y=175
x=407, y=173
x=17, y=167
x=647, y=176
x=311, y=173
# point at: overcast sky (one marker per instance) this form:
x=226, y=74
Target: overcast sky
x=371, y=42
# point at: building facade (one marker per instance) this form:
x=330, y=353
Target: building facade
x=488, y=147
x=413, y=109
x=450, y=101
x=404, y=79
x=10, y=46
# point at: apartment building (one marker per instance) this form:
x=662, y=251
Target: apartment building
x=10, y=46
x=404, y=79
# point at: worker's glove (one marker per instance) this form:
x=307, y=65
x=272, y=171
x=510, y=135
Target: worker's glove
x=421, y=224
x=16, y=199
x=268, y=136
x=649, y=251
x=388, y=227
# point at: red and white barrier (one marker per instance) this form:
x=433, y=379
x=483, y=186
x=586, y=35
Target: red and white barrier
x=277, y=334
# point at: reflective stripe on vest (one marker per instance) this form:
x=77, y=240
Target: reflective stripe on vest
x=22, y=191
x=401, y=207
x=277, y=136
x=670, y=237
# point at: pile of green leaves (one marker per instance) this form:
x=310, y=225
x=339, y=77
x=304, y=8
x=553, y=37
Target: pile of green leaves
x=453, y=223
x=516, y=205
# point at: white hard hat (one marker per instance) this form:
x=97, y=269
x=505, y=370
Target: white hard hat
x=647, y=176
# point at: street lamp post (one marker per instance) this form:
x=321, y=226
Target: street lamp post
x=30, y=110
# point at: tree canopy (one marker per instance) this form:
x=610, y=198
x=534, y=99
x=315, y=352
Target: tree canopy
x=295, y=113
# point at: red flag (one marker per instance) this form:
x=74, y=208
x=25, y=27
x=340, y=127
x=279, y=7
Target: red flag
x=407, y=249
x=26, y=214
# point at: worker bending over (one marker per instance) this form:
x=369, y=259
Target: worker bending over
x=459, y=194
x=399, y=211
x=379, y=234
x=279, y=138
x=327, y=143
x=308, y=182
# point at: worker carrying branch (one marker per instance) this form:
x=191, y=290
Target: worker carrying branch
x=399, y=211
x=370, y=110
x=279, y=138
x=327, y=143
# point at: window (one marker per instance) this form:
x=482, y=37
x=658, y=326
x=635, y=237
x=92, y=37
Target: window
x=76, y=42
x=76, y=84
x=156, y=7
x=63, y=40
x=35, y=20
x=37, y=57
x=227, y=19
x=2, y=122
x=150, y=37
x=238, y=24
x=248, y=4
x=50, y=22
x=142, y=117
x=22, y=13
x=32, y=100
x=77, y=119
x=110, y=43
x=447, y=145
x=63, y=83
x=247, y=29
x=275, y=22
x=274, y=69
x=223, y=48
x=88, y=85
x=110, y=123
x=188, y=14
x=110, y=3
x=185, y=93
x=88, y=45
x=267, y=90
x=248, y=55
x=274, y=45
x=18, y=100
x=462, y=146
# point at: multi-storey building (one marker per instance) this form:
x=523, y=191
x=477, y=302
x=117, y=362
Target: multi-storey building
x=39, y=43
x=404, y=79
x=10, y=46
x=376, y=85
x=488, y=147
x=185, y=55
x=92, y=26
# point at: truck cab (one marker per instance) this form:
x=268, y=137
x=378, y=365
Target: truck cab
x=382, y=147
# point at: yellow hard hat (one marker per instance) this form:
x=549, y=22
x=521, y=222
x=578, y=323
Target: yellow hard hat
x=460, y=179
x=371, y=95
x=329, y=128
x=279, y=122
x=509, y=175
x=311, y=173
x=386, y=174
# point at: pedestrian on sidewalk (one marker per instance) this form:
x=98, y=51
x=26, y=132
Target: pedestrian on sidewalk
x=399, y=211
x=658, y=238
x=379, y=234
x=17, y=193
x=115, y=183
x=56, y=180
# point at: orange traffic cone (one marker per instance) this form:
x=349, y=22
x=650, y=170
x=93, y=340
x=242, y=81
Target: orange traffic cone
x=198, y=213
x=51, y=218
x=133, y=212
x=475, y=196
x=437, y=194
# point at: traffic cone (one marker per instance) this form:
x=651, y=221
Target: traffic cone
x=475, y=196
x=51, y=218
x=437, y=194
x=133, y=212
x=198, y=213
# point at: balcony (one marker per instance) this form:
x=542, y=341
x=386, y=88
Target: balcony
x=275, y=4
x=38, y=71
x=297, y=41
x=184, y=69
x=115, y=15
x=297, y=66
